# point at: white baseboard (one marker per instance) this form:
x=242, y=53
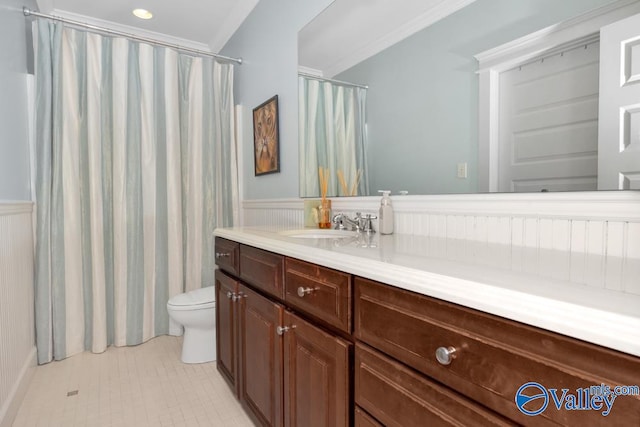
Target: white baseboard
x=10, y=407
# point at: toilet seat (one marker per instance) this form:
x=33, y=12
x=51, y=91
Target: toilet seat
x=198, y=299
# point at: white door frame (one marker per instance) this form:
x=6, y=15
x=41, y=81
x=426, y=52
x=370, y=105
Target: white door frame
x=582, y=29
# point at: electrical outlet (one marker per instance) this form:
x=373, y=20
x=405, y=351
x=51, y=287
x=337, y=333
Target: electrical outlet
x=462, y=170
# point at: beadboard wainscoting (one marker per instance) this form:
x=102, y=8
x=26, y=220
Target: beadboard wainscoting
x=273, y=212
x=17, y=332
x=594, y=236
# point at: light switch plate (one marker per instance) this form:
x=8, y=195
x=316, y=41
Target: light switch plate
x=462, y=170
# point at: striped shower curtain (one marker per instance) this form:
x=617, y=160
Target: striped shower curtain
x=135, y=167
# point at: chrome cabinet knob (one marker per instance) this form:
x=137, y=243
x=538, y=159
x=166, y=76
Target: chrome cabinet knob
x=444, y=355
x=222, y=255
x=280, y=330
x=304, y=291
x=235, y=297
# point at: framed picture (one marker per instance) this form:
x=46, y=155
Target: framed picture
x=266, y=143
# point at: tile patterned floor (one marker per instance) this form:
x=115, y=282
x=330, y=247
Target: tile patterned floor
x=140, y=386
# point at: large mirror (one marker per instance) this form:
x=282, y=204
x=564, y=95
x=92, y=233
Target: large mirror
x=395, y=87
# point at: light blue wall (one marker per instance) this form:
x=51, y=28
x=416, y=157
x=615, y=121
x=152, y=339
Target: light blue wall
x=267, y=43
x=423, y=96
x=14, y=146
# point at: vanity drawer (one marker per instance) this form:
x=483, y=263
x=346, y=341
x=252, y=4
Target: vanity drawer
x=320, y=292
x=362, y=419
x=494, y=357
x=227, y=255
x=262, y=269
x=398, y=396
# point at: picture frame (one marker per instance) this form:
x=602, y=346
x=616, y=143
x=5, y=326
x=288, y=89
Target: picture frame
x=266, y=138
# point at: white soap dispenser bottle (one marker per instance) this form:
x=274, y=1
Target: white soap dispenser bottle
x=385, y=217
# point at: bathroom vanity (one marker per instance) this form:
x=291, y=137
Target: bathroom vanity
x=378, y=330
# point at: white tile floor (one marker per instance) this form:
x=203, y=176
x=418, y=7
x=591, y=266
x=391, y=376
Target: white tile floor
x=146, y=385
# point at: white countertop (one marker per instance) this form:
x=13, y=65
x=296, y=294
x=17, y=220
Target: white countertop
x=527, y=285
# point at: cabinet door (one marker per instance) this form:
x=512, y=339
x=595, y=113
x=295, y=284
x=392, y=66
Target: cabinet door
x=260, y=357
x=226, y=329
x=316, y=376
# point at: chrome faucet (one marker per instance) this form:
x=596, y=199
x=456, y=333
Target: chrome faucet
x=359, y=223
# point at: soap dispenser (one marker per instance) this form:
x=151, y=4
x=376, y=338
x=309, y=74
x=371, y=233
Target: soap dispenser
x=385, y=218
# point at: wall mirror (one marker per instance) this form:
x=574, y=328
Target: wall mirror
x=390, y=97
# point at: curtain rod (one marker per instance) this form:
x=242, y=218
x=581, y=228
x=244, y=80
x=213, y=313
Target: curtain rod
x=311, y=76
x=29, y=12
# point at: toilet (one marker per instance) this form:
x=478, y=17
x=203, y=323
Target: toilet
x=195, y=312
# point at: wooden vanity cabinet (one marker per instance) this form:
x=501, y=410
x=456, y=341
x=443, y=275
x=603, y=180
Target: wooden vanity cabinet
x=260, y=357
x=249, y=349
x=320, y=292
x=316, y=376
x=492, y=356
x=304, y=345
x=285, y=370
x=362, y=419
x=227, y=329
x=263, y=270
x=228, y=255
x=398, y=396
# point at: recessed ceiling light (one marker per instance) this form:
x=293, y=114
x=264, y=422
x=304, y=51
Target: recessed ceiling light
x=143, y=13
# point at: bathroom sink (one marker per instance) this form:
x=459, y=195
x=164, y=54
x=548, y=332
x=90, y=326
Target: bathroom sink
x=313, y=233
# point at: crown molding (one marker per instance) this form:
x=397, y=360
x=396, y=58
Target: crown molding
x=309, y=70
x=582, y=26
x=132, y=30
x=231, y=24
x=420, y=22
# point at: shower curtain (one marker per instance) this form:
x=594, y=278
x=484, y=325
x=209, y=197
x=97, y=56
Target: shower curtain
x=332, y=127
x=135, y=167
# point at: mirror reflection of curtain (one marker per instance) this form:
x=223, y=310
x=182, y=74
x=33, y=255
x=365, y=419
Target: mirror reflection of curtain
x=333, y=133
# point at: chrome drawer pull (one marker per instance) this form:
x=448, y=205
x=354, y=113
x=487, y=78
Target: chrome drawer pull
x=282, y=329
x=304, y=291
x=222, y=255
x=444, y=355
x=229, y=295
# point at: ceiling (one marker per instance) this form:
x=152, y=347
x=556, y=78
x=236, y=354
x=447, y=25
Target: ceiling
x=350, y=31
x=203, y=24
x=358, y=28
